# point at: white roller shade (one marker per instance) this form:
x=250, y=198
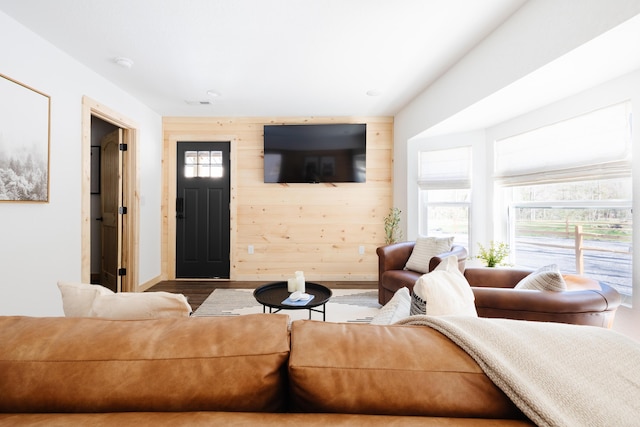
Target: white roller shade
x=450, y=168
x=593, y=145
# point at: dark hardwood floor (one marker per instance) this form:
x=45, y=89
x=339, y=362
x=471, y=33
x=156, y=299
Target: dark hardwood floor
x=197, y=291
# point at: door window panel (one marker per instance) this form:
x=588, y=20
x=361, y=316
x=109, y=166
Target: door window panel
x=203, y=164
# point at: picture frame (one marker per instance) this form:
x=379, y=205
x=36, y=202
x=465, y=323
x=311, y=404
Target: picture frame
x=95, y=169
x=25, y=132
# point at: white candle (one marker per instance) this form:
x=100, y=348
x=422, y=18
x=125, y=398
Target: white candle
x=292, y=285
x=300, y=286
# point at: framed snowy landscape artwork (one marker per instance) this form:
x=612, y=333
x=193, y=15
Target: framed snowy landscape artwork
x=24, y=143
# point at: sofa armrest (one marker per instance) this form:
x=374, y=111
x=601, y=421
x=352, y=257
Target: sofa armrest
x=391, y=257
x=459, y=251
x=585, y=302
x=491, y=277
x=394, y=256
x=528, y=300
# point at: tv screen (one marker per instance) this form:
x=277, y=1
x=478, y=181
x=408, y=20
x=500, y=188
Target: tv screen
x=315, y=153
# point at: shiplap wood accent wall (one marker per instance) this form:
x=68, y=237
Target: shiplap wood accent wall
x=316, y=228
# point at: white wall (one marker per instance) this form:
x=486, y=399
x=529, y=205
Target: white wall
x=41, y=243
x=538, y=33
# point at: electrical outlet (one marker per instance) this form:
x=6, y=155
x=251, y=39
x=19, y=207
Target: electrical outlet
x=361, y=250
x=250, y=249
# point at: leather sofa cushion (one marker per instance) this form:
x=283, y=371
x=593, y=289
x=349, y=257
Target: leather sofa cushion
x=389, y=370
x=174, y=364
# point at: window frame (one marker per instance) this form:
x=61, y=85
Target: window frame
x=596, y=169
x=455, y=182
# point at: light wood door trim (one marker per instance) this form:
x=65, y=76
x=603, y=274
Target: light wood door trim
x=131, y=186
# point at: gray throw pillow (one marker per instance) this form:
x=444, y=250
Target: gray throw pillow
x=547, y=278
x=425, y=249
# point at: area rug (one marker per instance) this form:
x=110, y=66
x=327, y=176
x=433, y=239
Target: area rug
x=346, y=305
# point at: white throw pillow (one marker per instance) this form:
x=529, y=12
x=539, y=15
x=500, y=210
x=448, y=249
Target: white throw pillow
x=396, y=309
x=145, y=305
x=444, y=291
x=77, y=298
x=547, y=278
x=425, y=249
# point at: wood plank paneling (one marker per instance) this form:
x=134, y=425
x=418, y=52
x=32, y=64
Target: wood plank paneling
x=317, y=228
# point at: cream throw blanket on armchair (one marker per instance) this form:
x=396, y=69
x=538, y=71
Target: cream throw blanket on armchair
x=557, y=374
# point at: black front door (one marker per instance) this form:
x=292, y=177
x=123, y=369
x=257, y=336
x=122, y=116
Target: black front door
x=202, y=210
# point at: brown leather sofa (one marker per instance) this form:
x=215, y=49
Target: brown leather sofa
x=586, y=301
x=246, y=370
x=392, y=259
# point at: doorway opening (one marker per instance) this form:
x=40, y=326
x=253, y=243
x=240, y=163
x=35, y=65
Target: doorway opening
x=110, y=208
x=103, y=254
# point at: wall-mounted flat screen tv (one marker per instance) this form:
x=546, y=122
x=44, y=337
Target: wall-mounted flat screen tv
x=315, y=153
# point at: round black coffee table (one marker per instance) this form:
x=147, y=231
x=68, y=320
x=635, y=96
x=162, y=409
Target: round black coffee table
x=273, y=294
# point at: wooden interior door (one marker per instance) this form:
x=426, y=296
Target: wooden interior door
x=111, y=197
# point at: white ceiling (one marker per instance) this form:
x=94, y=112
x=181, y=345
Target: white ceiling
x=266, y=57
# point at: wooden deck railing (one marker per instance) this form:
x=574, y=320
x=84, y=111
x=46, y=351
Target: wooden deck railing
x=579, y=245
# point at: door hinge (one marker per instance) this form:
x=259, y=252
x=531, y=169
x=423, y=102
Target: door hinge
x=123, y=147
x=122, y=210
x=122, y=272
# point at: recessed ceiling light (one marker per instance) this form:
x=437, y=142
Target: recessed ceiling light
x=123, y=62
x=213, y=93
x=201, y=102
x=374, y=92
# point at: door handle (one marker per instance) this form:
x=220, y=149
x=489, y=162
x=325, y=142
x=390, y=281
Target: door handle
x=180, y=208
x=100, y=219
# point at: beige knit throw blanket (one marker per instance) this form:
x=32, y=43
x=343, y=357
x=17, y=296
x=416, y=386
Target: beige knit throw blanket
x=557, y=374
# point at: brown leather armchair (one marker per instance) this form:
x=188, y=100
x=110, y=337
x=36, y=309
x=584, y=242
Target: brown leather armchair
x=392, y=275
x=585, y=302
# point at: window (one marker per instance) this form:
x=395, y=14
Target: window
x=203, y=164
x=567, y=188
x=444, y=185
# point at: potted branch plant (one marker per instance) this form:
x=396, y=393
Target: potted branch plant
x=392, y=232
x=495, y=255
